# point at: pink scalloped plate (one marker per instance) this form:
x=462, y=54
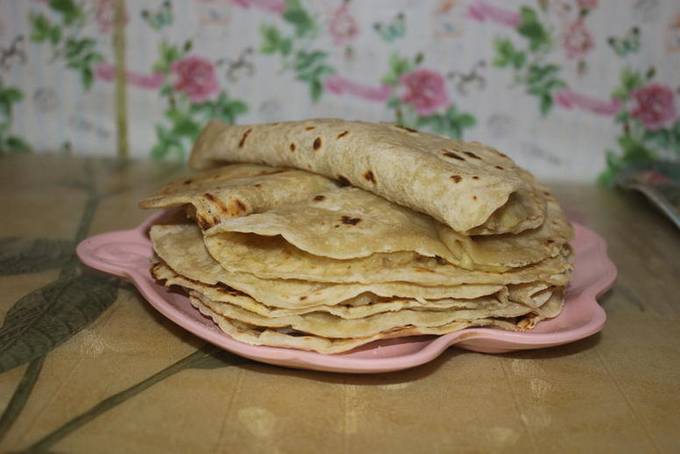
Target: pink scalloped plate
x=126, y=254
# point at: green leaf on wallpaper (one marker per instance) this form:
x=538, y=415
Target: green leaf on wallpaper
x=532, y=29
x=451, y=123
x=297, y=16
x=22, y=255
x=398, y=67
x=665, y=138
x=507, y=55
x=634, y=151
x=41, y=29
x=14, y=144
x=167, y=55
x=629, y=80
x=69, y=10
x=47, y=317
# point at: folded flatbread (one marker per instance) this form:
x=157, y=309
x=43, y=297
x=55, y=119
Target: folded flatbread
x=468, y=186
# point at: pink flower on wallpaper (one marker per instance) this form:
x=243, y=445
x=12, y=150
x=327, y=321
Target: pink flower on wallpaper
x=342, y=27
x=578, y=40
x=654, y=106
x=104, y=15
x=425, y=90
x=195, y=77
x=274, y=6
x=587, y=4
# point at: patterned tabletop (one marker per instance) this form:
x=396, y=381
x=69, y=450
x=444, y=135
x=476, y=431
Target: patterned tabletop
x=86, y=365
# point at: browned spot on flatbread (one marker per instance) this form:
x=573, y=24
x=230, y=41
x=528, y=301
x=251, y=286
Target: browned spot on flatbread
x=245, y=135
x=343, y=134
x=472, y=155
x=499, y=167
x=475, y=177
x=343, y=181
x=217, y=202
x=319, y=198
x=474, y=197
x=369, y=176
x=236, y=207
x=257, y=185
x=302, y=298
x=187, y=181
x=350, y=220
x=292, y=147
x=453, y=155
x=317, y=143
x=456, y=178
x=204, y=223
x=309, y=128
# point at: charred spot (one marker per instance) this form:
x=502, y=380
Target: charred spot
x=236, y=207
x=186, y=182
x=309, y=128
x=453, y=155
x=317, y=143
x=546, y=193
x=257, y=185
x=245, y=135
x=343, y=181
x=472, y=155
x=220, y=205
x=475, y=177
x=302, y=298
x=350, y=220
x=500, y=167
x=440, y=261
x=406, y=128
x=474, y=197
x=369, y=176
x=342, y=134
x=456, y=178
x=292, y=147
x=319, y=198
x=549, y=241
x=204, y=223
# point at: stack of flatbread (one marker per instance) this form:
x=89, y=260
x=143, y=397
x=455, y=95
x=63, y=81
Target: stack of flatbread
x=325, y=235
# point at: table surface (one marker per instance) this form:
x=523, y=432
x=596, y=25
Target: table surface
x=88, y=366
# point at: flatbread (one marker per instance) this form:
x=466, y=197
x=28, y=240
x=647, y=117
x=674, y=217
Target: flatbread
x=363, y=305
x=346, y=223
x=182, y=248
x=327, y=325
x=275, y=258
x=286, y=338
x=460, y=184
x=237, y=190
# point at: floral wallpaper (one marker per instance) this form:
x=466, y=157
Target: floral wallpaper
x=571, y=89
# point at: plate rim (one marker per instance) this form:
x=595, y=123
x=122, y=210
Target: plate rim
x=511, y=340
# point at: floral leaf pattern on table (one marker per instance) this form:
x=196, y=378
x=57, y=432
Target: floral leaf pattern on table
x=45, y=318
x=22, y=255
x=208, y=357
